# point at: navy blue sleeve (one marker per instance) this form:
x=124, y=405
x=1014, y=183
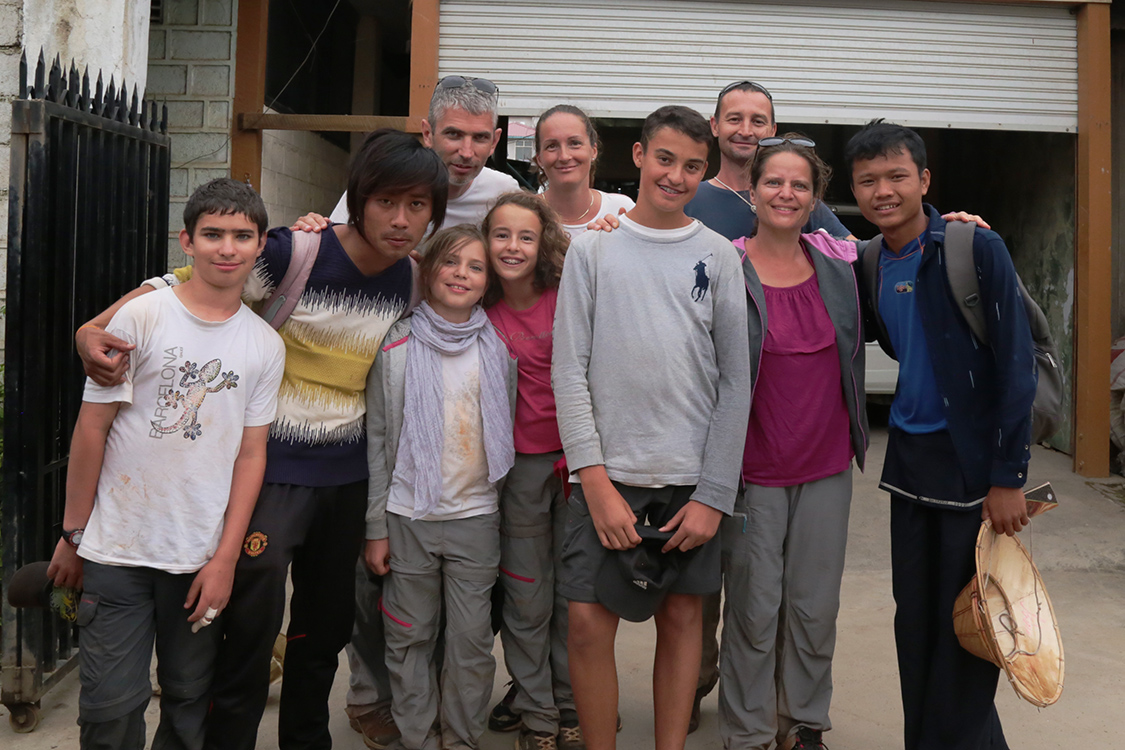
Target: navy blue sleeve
x=270, y=267
x=1010, y=335
x=823, y=218
x=274, y=260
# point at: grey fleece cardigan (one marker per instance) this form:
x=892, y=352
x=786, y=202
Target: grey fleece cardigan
x=840, y=293
x=386, y=398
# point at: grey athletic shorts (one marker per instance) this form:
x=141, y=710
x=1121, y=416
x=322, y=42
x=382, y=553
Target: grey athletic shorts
x=583, y=553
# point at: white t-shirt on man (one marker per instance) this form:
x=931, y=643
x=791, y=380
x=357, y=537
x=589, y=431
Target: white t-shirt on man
x=468, y=208
x=191, y=388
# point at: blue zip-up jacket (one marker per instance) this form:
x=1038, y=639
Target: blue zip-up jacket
x=986, y=391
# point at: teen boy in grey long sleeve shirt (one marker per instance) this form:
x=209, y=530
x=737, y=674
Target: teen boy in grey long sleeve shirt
x=651, y=367
x=651, y=375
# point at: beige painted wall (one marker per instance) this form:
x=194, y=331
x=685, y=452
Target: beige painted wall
x=11, y=38
x=106, y=35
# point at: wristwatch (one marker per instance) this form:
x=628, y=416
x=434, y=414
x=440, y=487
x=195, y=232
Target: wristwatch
x=73, y=538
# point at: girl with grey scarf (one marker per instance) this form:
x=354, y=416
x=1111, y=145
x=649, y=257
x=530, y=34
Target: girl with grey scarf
x=441, y=398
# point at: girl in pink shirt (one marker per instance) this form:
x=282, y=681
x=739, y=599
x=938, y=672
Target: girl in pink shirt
x=526, y=248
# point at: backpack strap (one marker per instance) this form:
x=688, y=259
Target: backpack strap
x=280, y=304
x=960, y=268
x=869, y=255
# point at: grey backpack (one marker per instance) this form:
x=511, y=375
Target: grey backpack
x=1046, y=411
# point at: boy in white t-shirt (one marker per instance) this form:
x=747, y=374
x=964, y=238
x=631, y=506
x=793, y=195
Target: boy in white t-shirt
x=164, y=472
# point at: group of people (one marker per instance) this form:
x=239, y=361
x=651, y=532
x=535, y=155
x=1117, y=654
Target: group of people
x=486, y=416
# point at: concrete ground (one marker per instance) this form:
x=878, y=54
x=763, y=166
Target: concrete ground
x=1078, y=547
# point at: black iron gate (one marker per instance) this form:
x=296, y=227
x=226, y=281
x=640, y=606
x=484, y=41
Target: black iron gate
x=88, y=218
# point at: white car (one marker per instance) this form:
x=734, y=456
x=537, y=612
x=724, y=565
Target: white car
x=881, y=375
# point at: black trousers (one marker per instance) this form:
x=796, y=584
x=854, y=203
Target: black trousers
x=320, y=531
x=948, y=695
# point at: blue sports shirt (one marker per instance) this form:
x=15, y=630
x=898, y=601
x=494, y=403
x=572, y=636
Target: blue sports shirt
x=917, y=406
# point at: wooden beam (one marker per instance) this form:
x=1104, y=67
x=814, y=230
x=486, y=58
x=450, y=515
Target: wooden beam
x=1094, y=222
x=1070, y=3
x=423, y=55
x=249, y=89
x=251, y=121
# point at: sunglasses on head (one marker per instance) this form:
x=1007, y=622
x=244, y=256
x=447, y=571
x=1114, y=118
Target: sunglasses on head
x=777, y=141
x=746, y=84
x=482, y=85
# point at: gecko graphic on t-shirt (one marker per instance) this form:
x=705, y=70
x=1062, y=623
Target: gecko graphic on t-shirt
x=195, y=381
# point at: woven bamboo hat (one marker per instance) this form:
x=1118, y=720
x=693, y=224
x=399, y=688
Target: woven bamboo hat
x=1004, y=616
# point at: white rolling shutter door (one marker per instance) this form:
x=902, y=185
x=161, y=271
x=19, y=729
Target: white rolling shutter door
x=925, y=64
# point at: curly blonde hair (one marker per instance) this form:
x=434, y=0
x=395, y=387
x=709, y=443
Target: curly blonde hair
x=553, y=242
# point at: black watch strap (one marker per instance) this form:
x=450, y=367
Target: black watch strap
x=73, y=538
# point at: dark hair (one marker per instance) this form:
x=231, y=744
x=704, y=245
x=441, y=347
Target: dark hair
x=224, y=196
x=553, y=242
x=392, y=162
x=680, y=119
x=755, y=88
x=879, y=138
x=821, y=172
x=567, y=109
x=445, y=243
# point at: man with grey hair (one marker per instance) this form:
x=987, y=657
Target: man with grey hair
x=461, y=128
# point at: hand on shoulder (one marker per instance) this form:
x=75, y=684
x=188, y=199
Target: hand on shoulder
x=607, y=223
x=310, y=222
x=105, y=357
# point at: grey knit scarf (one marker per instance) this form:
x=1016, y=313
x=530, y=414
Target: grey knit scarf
x=423, y=429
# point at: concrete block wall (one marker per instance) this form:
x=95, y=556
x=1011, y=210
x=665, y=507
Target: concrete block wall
x=301, y=172
x=191, y=67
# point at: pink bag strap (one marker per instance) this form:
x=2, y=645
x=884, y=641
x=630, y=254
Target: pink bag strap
x=279, y=305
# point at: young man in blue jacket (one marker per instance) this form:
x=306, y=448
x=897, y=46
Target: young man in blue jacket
x=959, y=437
